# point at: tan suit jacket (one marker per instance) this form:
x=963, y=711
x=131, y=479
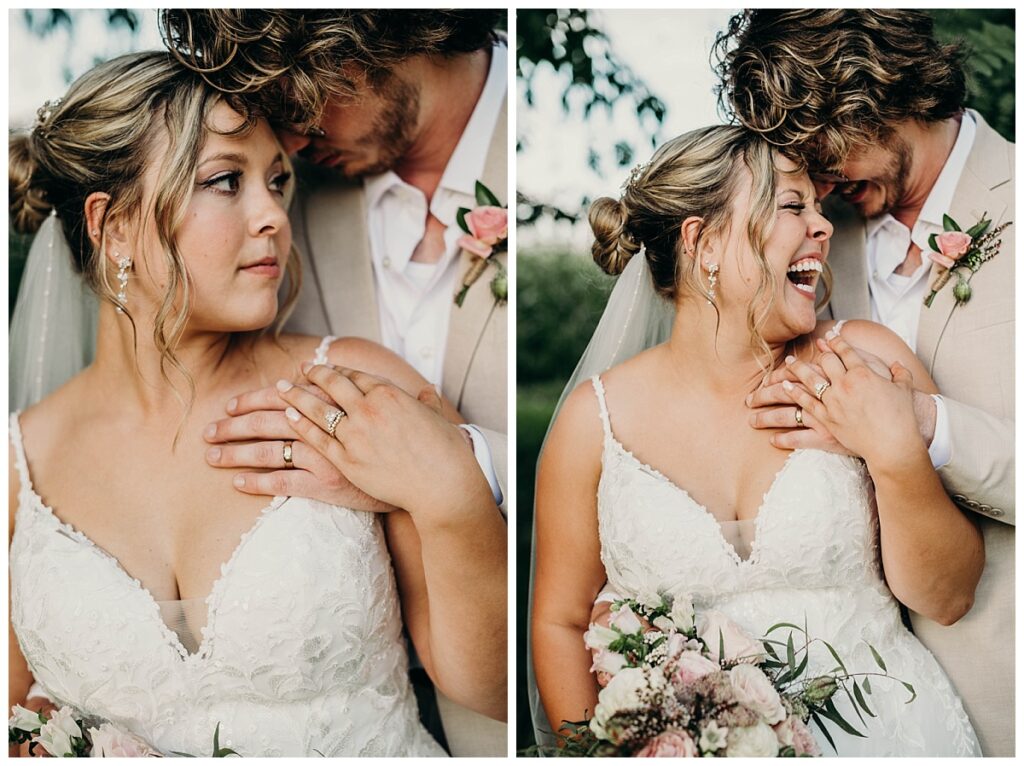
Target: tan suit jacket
x=968, y=350
x=339, y=297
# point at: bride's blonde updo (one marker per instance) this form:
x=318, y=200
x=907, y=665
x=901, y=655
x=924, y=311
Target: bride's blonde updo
x=694, y=174
x=101, y=137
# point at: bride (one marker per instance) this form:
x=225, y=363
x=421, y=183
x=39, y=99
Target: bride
x=145, y=590
x=652, y=479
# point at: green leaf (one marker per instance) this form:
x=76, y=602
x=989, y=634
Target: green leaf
x=979, y=228
x=770, y=650
x=460, y=218
x=853, y=704
x=867, y=685
x=835, y=656
x=778, y=625
x=485, y=196
x=860, y=699
x=182, y=755
x=830, y=712
x=824, y=730
x=948, y=224
x=801, y=667
x=910, y=689
x=933, y=243
x=791, y=656
x=721, y=646
x=878, y=658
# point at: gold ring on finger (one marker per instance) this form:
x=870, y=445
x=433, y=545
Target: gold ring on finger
x=799, y=416
x=333, y=417
x=820, y=389
x=286, y=453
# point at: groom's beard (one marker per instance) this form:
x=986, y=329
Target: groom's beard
x=392, y=134
x=888, y=188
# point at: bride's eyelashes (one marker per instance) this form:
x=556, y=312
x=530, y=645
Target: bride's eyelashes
x=229, y=182
x=797, y=207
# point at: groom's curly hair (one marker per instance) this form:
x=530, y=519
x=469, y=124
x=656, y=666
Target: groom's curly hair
x=286, y=65
x=818, y=83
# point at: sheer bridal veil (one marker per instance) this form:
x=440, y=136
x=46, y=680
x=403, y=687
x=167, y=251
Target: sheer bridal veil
x=635, y=318
x=53, y=330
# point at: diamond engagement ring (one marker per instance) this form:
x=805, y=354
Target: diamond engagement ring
x=799, y=416
x=286, y=453
x=821, y=388
x=332, y=418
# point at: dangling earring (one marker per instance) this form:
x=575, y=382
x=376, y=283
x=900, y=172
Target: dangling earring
x=123, y=264
x=712, y=281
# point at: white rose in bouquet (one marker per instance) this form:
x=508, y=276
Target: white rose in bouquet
x=56, y=734
x=757, y=741
x=682, y=614
x=599, y=637
x=624, y=619
x=110, y=742
x=24, y=719
x=627, y=690
x=755, y=691
x=715, y=627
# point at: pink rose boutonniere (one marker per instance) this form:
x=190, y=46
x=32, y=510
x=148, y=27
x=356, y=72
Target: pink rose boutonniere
x=955, y=251
x=486, y=228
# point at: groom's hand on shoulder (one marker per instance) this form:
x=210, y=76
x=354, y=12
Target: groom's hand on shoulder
x=253, y=439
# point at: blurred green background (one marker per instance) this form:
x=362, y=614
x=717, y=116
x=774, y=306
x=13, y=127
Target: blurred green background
x=560, y=291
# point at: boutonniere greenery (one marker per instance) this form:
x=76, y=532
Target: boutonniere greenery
x=962, y=253
x=486, y=233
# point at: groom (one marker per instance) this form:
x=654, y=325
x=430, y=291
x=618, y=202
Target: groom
x=875, y=105
x=399, y=115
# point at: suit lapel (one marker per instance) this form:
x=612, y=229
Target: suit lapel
x=987, y=167
x=339, y=252
x=467, y=323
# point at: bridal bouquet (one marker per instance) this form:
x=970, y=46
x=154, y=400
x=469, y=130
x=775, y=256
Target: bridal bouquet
x=678, y=684
x=65, y=735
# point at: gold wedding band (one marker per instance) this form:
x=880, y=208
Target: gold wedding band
x=799, y=415
x=286, y=453
x=332, y=418
x=820, y=389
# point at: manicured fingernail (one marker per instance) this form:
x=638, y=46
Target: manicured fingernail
x=790, y=359
x=830, y=335
x=213, y=454
x=283, y=386
x=787, y=385
x=239, y=481
x=749, y=399
x=306, y=367
x=292, y=414
x=232, y=404
x=211, y=431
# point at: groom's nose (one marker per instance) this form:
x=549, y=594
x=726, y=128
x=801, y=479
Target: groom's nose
x=292, y=142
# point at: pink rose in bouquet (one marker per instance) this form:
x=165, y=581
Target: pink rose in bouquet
x=669, y=744
x=755, y=691
x=794, y=733
x=690, y=666
x=715, y=629
x=110, y=742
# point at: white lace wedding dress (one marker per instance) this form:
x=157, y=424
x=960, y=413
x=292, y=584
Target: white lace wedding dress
x=302, y=652
x=814, y=558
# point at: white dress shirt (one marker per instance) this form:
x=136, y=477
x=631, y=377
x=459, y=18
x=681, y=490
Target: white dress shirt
x=415, y=299
x=897, y=299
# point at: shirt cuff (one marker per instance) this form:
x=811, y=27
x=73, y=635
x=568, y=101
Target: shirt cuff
x=483, y=458
x=941, y=449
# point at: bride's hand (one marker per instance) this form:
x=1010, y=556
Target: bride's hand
x=254, y=437
x=872, y=415
x=394, y=446
x=775, y=409
x=37, y=705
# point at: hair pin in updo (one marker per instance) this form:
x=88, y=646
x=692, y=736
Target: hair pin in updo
x=44, y=113
x=634, y=174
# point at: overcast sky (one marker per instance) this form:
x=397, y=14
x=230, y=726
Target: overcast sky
x=667, y=49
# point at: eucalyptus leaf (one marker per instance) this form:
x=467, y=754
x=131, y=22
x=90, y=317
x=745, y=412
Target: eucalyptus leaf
x=830, y=712
x=824, y=730
x=911, y=690
x=860, y=699
x=835, y=655
x=866, y=683
x=778, y=625
x=791, y=655
x=878, y=658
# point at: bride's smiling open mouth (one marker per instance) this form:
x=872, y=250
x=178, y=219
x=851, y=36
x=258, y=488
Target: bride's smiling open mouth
x=803, y=273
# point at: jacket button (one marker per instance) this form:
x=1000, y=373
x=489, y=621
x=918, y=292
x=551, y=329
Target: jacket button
x=959, y=499
x=973, y=504
x=995, y=512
